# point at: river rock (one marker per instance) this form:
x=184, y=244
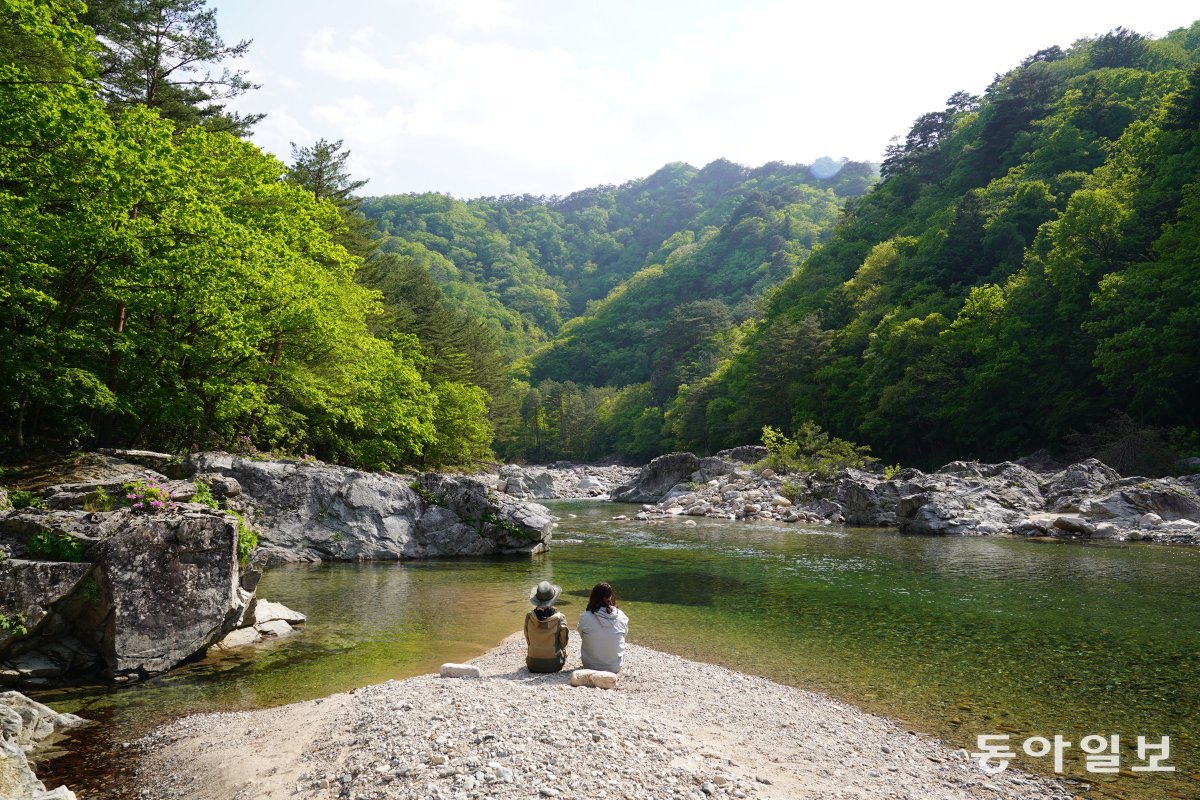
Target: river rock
x=1074, y=524
x=590, y=484
x=656, y=478
x=308, y=511
x=264, y=611
x=667, y=475
x=745, y=454
x=24, y=723
x=275, y=628
x=600, y=679
x=459, y=671
x=522, y=483
x=239, y=637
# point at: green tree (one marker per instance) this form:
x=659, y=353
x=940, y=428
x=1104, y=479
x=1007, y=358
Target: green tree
x=167, y=55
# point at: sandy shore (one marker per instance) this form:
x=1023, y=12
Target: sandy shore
x=673, y=728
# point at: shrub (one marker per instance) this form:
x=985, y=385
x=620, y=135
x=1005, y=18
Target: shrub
x=204, y=495
x=247, y=539
x=14, y=625
x=812, y=450
x=19, y=498
x=891, y=472
x=99, y=500
x=148, y=497
x=793, y=491
x=56, y=546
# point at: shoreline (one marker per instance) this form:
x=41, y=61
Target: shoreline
x=672, y=728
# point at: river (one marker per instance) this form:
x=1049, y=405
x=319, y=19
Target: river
x=954, y=636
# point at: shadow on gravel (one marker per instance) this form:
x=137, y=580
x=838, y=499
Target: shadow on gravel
x=523, y=675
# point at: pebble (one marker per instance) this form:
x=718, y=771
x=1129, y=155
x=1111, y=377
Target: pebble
x=509, y=735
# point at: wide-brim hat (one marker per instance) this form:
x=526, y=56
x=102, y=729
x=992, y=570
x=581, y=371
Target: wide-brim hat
x=545, y=594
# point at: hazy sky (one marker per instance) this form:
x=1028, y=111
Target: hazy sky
x=480, y=97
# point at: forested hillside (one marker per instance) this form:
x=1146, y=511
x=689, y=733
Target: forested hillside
x=1029, y=266
x=1025, y=273
x=615, y=287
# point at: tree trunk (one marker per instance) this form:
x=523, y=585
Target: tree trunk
x=21, y=420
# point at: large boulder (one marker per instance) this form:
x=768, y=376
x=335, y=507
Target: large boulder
x=1066, y=490
x=151, y=591
x=307, y=511
x=865, y=498
x=171, y=582
x=968, y=498
x=478, y=521
x=522, y=483
x=657, y=478
x=24, y=723
x=744, y=454
x=1124, y=501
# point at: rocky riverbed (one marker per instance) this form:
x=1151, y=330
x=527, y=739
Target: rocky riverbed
x=671, y=728
x=558, y=481
x=1032, y=498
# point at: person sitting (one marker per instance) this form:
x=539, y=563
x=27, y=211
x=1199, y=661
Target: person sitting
x=546, y=630
x=602, y=630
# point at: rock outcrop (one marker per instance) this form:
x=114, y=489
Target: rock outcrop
x=130, y=593
x=308, y=511
x=559, y=480
x=668, y=474
x=147, y=592
x=1087, y=499
x=526, y=483
x=23, y=724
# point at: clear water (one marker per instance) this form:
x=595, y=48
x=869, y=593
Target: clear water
x=953, y=636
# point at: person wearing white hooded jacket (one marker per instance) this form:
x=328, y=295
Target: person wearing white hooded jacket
x=602, y=629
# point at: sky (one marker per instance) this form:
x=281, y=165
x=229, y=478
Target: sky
x=488, y=97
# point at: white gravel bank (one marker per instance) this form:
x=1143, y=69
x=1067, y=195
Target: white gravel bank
x=672, y=729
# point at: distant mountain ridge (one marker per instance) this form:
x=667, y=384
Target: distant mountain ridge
x=527, y=264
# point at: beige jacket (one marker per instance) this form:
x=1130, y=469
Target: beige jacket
x=547, y=640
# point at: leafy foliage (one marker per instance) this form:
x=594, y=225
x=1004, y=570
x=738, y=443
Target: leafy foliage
x=163, y=54
x=812, y=450
x=99, y=500
x=247, y=538
x=14, y=625
x=148, y=496
x=166, y=286
x=204, y=495
x=21, y=498
x=55, y=546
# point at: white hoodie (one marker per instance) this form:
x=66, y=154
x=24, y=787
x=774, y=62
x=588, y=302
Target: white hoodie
x=602, y=638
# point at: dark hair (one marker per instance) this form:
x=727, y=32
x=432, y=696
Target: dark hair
x=602, y=595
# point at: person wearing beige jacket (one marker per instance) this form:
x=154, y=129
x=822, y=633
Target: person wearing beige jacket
x=546, y=630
